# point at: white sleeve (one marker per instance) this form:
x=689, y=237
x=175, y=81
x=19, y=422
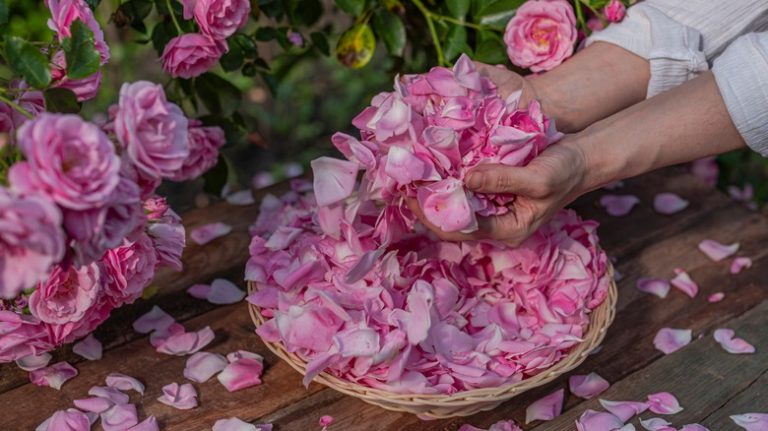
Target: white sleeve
x=741, y=73
x=679, y=37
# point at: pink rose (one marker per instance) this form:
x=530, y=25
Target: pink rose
x=191, y=55
x=65, y=12
x=156, y=207
x=129, y=269
x=67, y=159
x=541, y=34
x=221, y=18
x=67, y=295
x=84, y=89
x=31, y=241
x=204, y=144
x=21, y=335
x=615, y=11
x=152, y=130
x=167, y=233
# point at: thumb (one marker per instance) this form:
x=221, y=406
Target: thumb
x=496, y=178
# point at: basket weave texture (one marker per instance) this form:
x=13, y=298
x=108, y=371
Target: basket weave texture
x=463, y=403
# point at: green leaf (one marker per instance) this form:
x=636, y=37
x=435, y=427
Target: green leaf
x=3, y=12
x=455, y=42
x=217, y=94
x=305, y=12
x=247, y=46
x=390, y=29
x=490, y=48
x=496, y=13
x=80, y=52
x=356, y=46
x=249, y=70
x=272, y=8
x=216, y=178
x=28, y=61
x=352, y=7
x=161, y=35
x=133, y=12
x=265, y=34
x=233, y=59
x=93, y=4
x=321, y=42
x=457, y=8
x=61, y=100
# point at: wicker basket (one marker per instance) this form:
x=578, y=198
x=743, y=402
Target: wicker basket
x=463, y=403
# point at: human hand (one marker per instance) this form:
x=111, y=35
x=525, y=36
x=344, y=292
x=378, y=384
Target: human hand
x=508, y=82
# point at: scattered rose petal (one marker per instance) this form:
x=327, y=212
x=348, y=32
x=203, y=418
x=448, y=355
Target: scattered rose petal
x=627, y=427
x=89, y=348
x=694, y=427
x=654, y=286
x=624, y=410
x=670, y=340
x=241, y=373
x=751, y=421
x=204, y=234
x=93, y=404
x=716, y=297
x=725, y=337
x=114, y=395
x=592, y=420
x=619, y=205
x=119, y=417
x=124, y=383
x=324, y=421
x=683, y=282
x=669, y=203
x=241, y=198
x=148, y=424
x=203, y=365
x=182, y=397
x=233, y=424
x=663, y=403
x=224, y=292
x=546, y=408
x=739, y=264
x=186, y=343
x=717, y=251
x=54, y=376
x=655, y=424
x=503, y=425
x=587, y=386
x=66, y=420
x=199, y=291
x=34, y=362
x=158, y=338
x=155, y=320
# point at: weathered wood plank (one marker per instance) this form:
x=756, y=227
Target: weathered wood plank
x=754, y=399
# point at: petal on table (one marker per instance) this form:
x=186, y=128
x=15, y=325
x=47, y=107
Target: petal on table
x=203, y=365
x=233, y=424
x=148, y=424
x=241, y=198
x=694, y=427
x=182, y=397
x=113, y=395
x=199, y=291
x=34, y=362
x=669, y=203
x=715, y=297
x=654, y=286
x=204, y=234
x=545, y=408
x=751, y=421
x=670, y=340
x=119, y=417
x=224, y=292
x=587, y=386
x=89, y=348
x=334, y=179
x=186, y=343
x=739, y=264
x=66, y=420
x=93, y=404
x=655, y=424
x=726, y=339
x=663, y=403
x=683, y=282
x=54, y=376
x=155, y=320
x=624, y=410
x=240, y=374
x=619, y=205
x=592, y=420
x=717, y=251
x=124, y=383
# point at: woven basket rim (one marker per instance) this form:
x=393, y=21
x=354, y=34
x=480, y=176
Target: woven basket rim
x=601, y=318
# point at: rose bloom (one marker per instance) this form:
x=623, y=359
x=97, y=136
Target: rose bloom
x=204, y=144
x=23, y=335
x=220, y=18
x=31, y=241
x=541, y=34
x=191, y=55
x=129, y=268
x=65, y=12
x=615, y=11
x=84, y=89
x=67, y=159
x=67, y=295
x=152, y=130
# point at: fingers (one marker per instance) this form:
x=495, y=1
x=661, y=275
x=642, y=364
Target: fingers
x=495, y=178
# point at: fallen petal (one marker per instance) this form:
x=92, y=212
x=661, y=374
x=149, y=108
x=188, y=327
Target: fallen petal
x=148, y=424
x=624, y=410
x=93, y=404
x=203, y=365
x=717, y=251
x=546, y=408
x=89, y=348
x=34, y=362
x=739, y=264
x=204, y=234
x=243, y=197
x=119, y=417
x=66, y=420
x=54, y=376
x=124, y=383
x=751, y=421
x=113, y=395
x=670, y=340
x=683, y=282
x=654, y=286
x=716, y=297
x=199, y=291
x=694, y=427
x=233, y=424
x=619, y=205
x=587, y=386
x=186, y=343
x=224, y=292
x=655, y=424
x=155, y=320
x=669, y=203
x=182, y=397
x=726, y=339
x=242, y=373
x=663, y=403
x=592, y=420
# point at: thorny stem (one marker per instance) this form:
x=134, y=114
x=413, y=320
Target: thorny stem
x=173, y=16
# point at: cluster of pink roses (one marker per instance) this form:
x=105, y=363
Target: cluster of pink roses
x=192, y=54
x=420, y=141
x=417, y=315
x=543, y=33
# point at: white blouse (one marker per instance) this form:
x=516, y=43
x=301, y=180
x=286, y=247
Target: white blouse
x=682, y=38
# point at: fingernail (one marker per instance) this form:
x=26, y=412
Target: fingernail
x=474, y=181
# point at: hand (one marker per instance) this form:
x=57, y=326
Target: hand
x=508, y=82
x=550, y=182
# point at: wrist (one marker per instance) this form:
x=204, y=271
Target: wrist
x=546, y=90
x=602, y=165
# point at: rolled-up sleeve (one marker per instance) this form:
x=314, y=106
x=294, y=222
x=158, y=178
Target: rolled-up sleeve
x=741, y=73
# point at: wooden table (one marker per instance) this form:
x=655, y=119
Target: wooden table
x=710, y=383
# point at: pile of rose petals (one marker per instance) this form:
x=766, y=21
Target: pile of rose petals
x=422, y=139
x=412, y=314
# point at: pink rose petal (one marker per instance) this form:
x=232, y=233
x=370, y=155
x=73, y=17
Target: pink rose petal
x=670, y=340
x=158, y=338
x=751, y=421
x=241, y=373
x=683, y=282
x=334, y=179
x=619, y=205
x=119, y=417
x=93, y=404
x=725, y=337
x=148, y=424
x=592, y=420
x=325, y=421
x=624, y=410
x=224, y=292
x=546, y=408
x=66, y=420
x=53, y=376
x=155, y=320
x=587, y=386
x=654, y=286
x=655, y=424
x=182, y=397
x=717, y=251
x=89, y=348
x=199, y=291
x=113, y=395
x=124, y=383
x=237, y=424
x=663, y=403
x=503, y=425
x=694, y=427
x=669, y=203
x=715, y=297
x=186, y=343
x=204, y=234
x=34, y=362
x=241, y=198
x=203, y=365
x=445, y=205
x=739, y=264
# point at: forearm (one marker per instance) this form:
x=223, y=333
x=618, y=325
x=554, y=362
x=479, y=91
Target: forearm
x=686, y=123
x=595, y=83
